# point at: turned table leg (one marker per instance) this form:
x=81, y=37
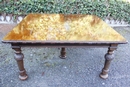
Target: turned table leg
x=19, y=58
x=62, y=55
x=108, y=58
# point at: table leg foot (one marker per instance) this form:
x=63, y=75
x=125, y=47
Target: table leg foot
x=23, y=75
x=104, y=76
x=108, y=58
x=63, y=56
x=19, y=58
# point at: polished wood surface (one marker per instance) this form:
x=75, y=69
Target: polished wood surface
x=60, y=27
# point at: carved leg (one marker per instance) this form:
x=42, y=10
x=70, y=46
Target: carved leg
x=19, y=58
x=63, y=56
x=108, y=58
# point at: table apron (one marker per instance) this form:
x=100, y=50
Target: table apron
x=62, y=45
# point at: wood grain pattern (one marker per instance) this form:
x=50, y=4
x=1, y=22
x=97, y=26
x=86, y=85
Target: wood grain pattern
x=60, y=27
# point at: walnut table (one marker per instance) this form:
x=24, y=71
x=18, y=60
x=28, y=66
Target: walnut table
x=62, y=30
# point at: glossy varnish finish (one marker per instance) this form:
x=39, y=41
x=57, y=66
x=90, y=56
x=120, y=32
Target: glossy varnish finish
x=63, y=31
x=60, y=27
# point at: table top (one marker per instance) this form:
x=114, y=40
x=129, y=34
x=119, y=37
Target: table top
x=63, y=28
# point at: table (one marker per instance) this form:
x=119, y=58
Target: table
x=63, y=30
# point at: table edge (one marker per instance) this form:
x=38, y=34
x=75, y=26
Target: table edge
x=63, y=42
